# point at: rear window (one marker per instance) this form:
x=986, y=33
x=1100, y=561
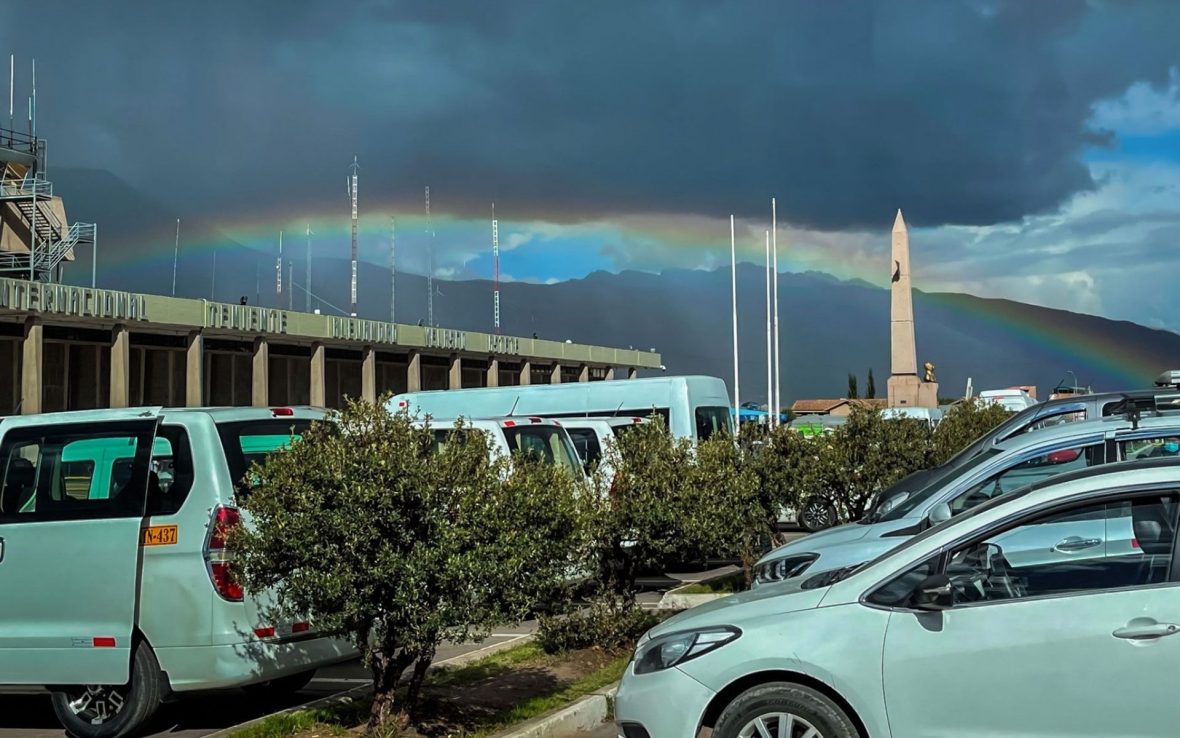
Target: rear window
x=587, y=445
x=250, y=441
x=712, y=420
x=545, y=441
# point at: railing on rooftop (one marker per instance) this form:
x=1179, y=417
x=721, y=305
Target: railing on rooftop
x=17, y=141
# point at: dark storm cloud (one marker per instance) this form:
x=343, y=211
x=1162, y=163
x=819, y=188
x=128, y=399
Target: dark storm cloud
x=962, y=112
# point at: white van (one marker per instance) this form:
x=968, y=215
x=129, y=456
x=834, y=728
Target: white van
x=546, y=438
x=931, y=415
x=1013, y=400
x=591, y=438
x=692, y=407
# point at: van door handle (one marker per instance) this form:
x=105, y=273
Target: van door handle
x=1146, y=629
x=1076, y=543
x=1, y=550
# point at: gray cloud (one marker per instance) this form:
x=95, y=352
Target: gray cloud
x=962, y=112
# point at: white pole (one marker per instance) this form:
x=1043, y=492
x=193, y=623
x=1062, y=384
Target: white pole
x=778, y=366
x=175, y=256
x=11, y=87
x=770, y=417
x=737, y=405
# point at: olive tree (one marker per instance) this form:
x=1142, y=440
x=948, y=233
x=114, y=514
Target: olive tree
x=963, y=424
x=376, y=532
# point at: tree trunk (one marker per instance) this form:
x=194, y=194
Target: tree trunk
x=387, y=670
x=419, y=675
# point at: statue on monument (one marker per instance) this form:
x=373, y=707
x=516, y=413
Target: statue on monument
x=929, y=372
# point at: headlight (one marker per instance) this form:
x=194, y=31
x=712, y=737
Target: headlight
x=779, y=569
x=676, y=648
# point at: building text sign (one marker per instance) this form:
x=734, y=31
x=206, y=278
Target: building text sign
x=503, y=345
x=245, y=318
x=357, y=329
x=446, y=338
x=79, y=302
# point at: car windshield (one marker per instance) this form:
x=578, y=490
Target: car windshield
x=920, y=498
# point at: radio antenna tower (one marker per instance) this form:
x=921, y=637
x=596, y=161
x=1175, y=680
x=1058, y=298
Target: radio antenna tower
x=430, y=265
x=279, y=274
x=495, y=271
x=393, y=269
x=352, y=196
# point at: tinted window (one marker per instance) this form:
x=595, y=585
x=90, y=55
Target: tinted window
x=250, y=441
x=1094, y=547
x=443, y=436
x=73, y=473
x=712, y=420
x=544, y=441
x=1150, y=448
x=172, y=472
x=586, y=444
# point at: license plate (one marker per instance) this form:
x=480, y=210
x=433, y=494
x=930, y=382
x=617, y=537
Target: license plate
x=160, y=535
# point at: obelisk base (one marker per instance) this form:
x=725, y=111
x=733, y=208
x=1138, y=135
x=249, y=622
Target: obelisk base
x=907, y=390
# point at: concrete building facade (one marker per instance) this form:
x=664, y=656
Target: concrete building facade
x=71, y=348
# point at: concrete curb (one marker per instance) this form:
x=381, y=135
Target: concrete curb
x=586, y=714
x=364, y=690
x=674, y=600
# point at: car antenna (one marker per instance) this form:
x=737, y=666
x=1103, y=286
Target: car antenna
x=617, y=409
x=514, y=404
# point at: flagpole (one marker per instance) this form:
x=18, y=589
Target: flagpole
x=778, y=365
x=175, y=256
x=737, y=418
x=771, y=418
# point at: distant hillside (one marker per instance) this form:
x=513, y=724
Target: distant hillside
x=829, y=327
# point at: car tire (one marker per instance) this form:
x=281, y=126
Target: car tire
x=119, y=710
x=779, y=704
x=282, y=686
x=817, y=515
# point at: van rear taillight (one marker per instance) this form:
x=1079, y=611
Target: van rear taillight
x=224, y=520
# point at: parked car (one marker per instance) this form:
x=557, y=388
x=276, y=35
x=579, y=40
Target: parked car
x=692, y=407
x=932, y=415
x=124, y=514
x=949, y=634
x=1037, y=417
x=1003, y=469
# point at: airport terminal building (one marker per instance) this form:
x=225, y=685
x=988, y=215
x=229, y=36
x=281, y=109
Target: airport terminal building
x=71, y=348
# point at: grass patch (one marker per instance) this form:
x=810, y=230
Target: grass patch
x=443, y=696
x=537, y=706
x=728, y=584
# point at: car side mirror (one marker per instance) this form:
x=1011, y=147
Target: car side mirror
x=939, y=514
x=934, y=593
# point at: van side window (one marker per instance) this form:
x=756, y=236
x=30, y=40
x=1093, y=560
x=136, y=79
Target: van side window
x=70, y=472
x=171, y=477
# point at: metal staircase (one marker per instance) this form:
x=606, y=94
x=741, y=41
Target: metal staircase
x=25, y=201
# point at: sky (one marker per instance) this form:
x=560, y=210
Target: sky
x=1034, y=147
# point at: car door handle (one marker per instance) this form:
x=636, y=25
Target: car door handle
x=1146, y=629
x=1076, y=543
x=1, y=550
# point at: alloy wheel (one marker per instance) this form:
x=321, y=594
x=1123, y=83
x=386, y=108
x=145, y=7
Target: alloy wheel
x=779, y=725
x=817, y=515
x=97, y=704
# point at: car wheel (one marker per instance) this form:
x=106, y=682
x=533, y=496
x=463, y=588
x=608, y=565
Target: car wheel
x=783, y=710
x=282, y=685
x=817, y=515
x=106, y=711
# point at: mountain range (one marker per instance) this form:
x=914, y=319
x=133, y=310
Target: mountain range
x=829, y=327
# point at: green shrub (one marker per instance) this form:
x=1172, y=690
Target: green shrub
x=962, y=425
x=609, y=623
x=368, y=529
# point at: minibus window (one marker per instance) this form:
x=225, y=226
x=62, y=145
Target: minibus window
x=545, y=441
x=586, y=442
x=712, y=420
x=251, y=441
x=172, y=473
